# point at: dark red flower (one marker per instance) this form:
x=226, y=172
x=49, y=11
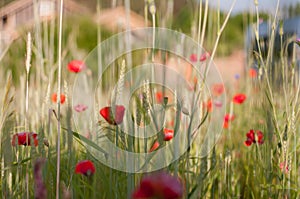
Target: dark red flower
x=218, y=89
x=253, y=137
x=159, y=185
x=80, y=107
x=168, y=134
x=25, y=138
x=85, y=167
x=75, y=66
x=113, y=117
x=62, y=98
x=239, y=98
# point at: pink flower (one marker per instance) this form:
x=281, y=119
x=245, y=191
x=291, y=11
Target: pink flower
x=284, y=167
x=203, y=57
x=298, y=41
x=193, y=58
x=159, y=185
x=80, y=107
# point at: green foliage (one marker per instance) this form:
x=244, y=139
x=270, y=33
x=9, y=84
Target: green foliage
x=183, y=20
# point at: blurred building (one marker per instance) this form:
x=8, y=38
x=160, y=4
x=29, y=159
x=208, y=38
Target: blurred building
x=25, y=13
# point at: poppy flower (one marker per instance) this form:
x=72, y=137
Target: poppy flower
x=252, y=73
x=155, y=146
x=218, y=89
x=80, y=107
x=239, y=98
x=25, y=138
x=85, y=167
x=227, y=119
x=111, y=117
x=168, y=134
x=209, y=105
x=193, y=58
x=204, y=56
x=62, y=98
x=159, y=97
x=253, y=137
x=159, y=185
x=75, y=66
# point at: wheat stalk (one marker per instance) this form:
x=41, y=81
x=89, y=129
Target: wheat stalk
x=58, y=96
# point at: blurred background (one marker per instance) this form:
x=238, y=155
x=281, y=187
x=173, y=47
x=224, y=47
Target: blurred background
x=17, y=16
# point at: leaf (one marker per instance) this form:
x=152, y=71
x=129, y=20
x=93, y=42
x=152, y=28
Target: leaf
x=86, y=140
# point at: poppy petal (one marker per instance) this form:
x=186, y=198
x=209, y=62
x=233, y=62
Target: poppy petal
x=239, y=98
x=75, y=66
x=85, y=167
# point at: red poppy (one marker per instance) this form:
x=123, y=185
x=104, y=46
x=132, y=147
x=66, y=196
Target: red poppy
x=209, y=105
x=218, y=89
x=239, y=98
x=159, y=97
x=62, y=98
x=253, y=137
x=155, y=146
x=227, y=119
x=80, y=107
x=25, y=138
x=85, y=167
x=204, y=56
x=76, y=66
x=168, y=134
x=159, y=185
x=252, y=73
x=193, y=58
x=108, y=114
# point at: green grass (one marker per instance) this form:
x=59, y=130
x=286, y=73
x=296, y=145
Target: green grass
x=229, y=170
